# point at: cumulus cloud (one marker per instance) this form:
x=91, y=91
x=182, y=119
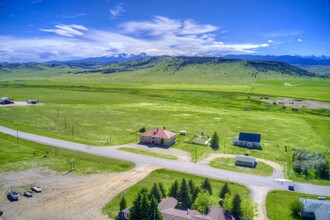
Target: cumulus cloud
x=67, y=30
x=36, y=1
x=117, y=11
x=270, y=41
x=159, y=36
x=300, y=40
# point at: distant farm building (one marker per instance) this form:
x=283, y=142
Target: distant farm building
x=32, y=101
x=245, y=161
x=158, y=136
x=315, y=209
x=248, y=140
x=6, y=100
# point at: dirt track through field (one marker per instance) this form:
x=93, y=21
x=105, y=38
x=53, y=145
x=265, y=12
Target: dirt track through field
x=78, y=198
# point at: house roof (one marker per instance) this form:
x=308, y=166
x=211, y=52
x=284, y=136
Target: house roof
x=168, y=203
x=216, y=213
x=323, y=212
x=159, y=133
x=249, y=137
x=321, y=208
x=245, y=159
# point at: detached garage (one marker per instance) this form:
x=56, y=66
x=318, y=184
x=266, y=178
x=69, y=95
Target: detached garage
x=245, y=161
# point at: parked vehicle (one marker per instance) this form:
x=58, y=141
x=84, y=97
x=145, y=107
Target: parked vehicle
x=13, y=195
x=36, y=189
x=291, y=187
x=27, y=194
x=1, y=211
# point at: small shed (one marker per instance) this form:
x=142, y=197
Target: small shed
x=182, y=132
x=245, y=161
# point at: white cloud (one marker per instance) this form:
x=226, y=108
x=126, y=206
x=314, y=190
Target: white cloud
x=300, y=40
x=117, y=11
x=159, y=36
x=67, y=30
x=270, y=41
x=71, y=15
x=281, y=34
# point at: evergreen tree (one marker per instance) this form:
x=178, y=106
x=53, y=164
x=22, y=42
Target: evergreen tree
x=184, y=195
x=154, y=212
x=224, y=190
x=122, y=206
x=134, y=211
x=144, y=207
x=236, y=210
x=191, y=187
x=249, y=209
x=214, y=141
x=228, y=202
x=206, y=185
x=155, y=192
x=194, y=196
x=174, y=190
x=162, y=190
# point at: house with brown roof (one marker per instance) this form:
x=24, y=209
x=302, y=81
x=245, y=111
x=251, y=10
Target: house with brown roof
x=158, y=136
x=169, y=212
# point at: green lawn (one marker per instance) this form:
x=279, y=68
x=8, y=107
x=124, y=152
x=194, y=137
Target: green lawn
x=262, y=169
x=278, y=203
x=93, y=109
x=24, y=155
x=167, y=178
x=148, y=153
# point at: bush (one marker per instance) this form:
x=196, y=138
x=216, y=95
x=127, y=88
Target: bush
x=296, y=207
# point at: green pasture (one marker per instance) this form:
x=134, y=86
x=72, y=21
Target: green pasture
x=19, y=155
x=281, y=200
x=261, y=169
x=167, y=177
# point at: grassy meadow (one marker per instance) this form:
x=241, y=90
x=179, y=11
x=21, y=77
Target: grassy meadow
x=137, y=151
x=167, y=177
x=20, y=155
x=109, y=109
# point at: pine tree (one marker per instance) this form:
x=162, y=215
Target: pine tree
x=214, y=141
x=174, y=190
x=191, y=187
x=203, y=201
x=236, y=210
x=144, y=207
x=162, y=190
x=154, y=212
x=134, y=211
x=206, y=185
x=194, y=196
x=122, y=204
x=155, y=192
x=184, y=195
x=224, y=190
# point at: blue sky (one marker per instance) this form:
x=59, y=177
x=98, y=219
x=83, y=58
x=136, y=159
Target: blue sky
x=42, y=30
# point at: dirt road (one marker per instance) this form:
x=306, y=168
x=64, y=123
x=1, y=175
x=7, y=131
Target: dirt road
x=69, y=196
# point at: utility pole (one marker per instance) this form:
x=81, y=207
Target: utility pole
x=224, y=146
x=64, y=121
x=58, y=112
x=196, y=155
x=73, y=130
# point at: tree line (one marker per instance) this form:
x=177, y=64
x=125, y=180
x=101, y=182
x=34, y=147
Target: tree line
x=189, y=196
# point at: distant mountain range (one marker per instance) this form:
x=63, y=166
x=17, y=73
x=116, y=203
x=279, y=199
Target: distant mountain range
x=294, y=60
x=117, y=58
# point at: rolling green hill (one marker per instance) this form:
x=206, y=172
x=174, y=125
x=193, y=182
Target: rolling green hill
x=197, y=70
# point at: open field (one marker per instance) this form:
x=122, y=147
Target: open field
x=94, y=109
x=229, y=164
x=167, y=178
x=281, y=200
x=21, y=155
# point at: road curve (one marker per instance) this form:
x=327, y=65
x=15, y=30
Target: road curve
x=181, y=166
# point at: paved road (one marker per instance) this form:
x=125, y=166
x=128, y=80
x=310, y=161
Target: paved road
x=181, y=166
